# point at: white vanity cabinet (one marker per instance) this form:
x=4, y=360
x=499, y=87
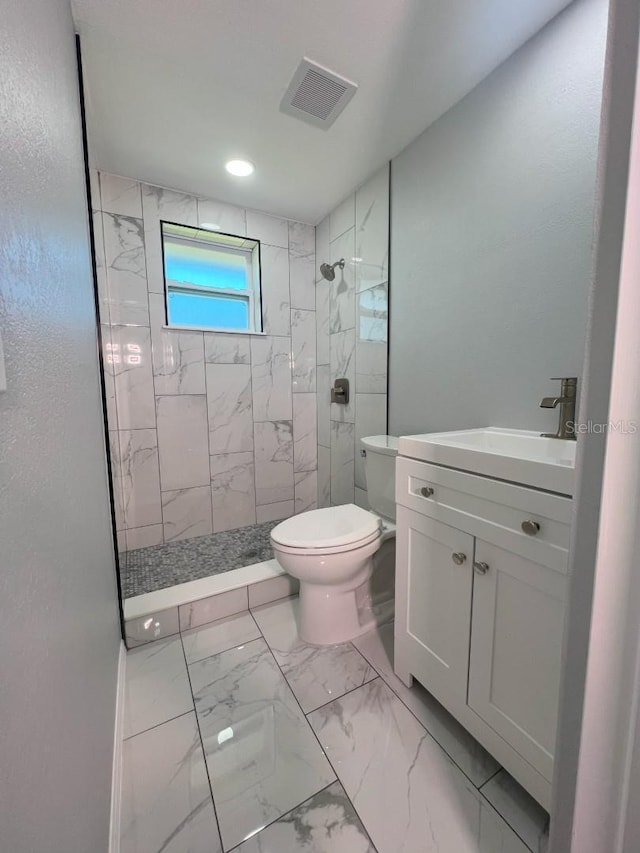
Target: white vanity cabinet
x=480, y=607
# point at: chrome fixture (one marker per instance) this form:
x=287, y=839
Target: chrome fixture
x=458, y=558
x=481, y=568
x=329, y=270
x=426, y=491
x=567, y=403
x=530, y=527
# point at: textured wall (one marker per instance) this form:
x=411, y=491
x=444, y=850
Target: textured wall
x=352, y=336
x=59, y=629
x=209, y=431
x=492, y=210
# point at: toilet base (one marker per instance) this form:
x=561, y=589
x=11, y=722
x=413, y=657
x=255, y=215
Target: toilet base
x=329, y=615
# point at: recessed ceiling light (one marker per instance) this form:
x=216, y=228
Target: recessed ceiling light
x=239, y=168
x=210, y=226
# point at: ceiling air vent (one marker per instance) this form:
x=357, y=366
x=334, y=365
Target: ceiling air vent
x=317, y=95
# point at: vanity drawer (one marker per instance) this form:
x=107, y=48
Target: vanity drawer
x=491, y=509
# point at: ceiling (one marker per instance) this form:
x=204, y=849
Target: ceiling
x=175, y=88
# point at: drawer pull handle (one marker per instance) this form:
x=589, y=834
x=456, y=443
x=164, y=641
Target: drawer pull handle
x=481, y=568
x=531, y=528
x=426, y=491
x=458, y=558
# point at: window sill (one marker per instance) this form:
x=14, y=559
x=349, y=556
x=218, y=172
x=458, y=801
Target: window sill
x=176, y=328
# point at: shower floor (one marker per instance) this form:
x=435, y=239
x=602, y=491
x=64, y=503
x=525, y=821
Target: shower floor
x=161, y=566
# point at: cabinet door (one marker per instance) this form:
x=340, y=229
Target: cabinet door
x=516, y=642
x=433, y=605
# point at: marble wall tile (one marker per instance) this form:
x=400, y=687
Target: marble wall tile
x=326, y=823
x=186, y=513
x=274, y=461
x=342, y=463
x=151, y=627
x=178, y=357
x=229, y=408
x=94, y=186
x=324, y=476
x=166, y=800
x=371, y=367
x=183, y=441
x=212, y=609
x=126, y=270
x=144, y=537
x=303, y=345
x=116, y=467
x=306, y=491
x=268, y=229
x=221, y=348
x=271, y=378
x=303, y=273
x=323, y=246
x=229, y=218
x=275, y=512
x=162, y=204
x=372, y=308
x=410, y=792
x=323, y=395
x=120, y=195
x=131, y=353
x=101, y=268
x=108, y=375
x=302, y=239
x=343, y=217
x=277, y=762
x=305, y=433
x=157, y=686
x=272, y=589
x=343, y=288
x=371, y=419
x=372, y=230
x=233, y=491
x=140, y=480
x=323, y=307
x=276, y=302
x=361, y=498
x=343, y=364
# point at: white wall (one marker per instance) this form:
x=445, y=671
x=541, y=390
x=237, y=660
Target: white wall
x=59, y=628
x=352, y=336
x=492, y=210
x=209, y=431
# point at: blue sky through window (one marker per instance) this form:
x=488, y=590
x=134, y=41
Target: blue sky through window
x=207, y=266
x=222, y=312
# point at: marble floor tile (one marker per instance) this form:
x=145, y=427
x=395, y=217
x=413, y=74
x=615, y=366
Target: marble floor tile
x=219, y=636
x=409, y=794
x=326, y=823
x=315, y=674
x=463, y=748
x=519, y=809
x=167, y=803
x=262, y=757
x=157, y=686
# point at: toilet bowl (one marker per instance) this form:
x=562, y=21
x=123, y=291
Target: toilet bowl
x=332, y=553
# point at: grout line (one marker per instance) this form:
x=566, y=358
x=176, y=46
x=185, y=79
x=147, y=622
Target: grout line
x=157, y=725
x=204, y=754
x=346, y=693
x=503, y=818
x=493, y=775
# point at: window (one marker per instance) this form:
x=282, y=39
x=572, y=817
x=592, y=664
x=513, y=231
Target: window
x=212, y=280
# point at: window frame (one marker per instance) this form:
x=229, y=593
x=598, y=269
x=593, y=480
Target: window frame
x=252, y=295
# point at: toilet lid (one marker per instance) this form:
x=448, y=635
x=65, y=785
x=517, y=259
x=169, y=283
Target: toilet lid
x=326, y=528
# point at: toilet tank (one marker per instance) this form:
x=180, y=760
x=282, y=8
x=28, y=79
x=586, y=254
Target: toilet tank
x=380, y=473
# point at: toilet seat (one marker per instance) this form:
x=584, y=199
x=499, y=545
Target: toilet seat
x=327, y=531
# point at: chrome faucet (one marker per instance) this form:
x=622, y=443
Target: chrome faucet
x=567, y=403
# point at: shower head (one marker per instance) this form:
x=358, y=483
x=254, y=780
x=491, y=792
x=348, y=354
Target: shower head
x=329, y=270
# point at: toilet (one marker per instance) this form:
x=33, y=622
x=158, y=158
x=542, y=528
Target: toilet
x=338, y=552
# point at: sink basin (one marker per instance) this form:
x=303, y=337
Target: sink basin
x=516, y=455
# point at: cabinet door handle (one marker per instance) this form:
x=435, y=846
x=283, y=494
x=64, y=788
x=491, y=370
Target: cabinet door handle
x=481, y=568
x=458, y=558
x=426, y=491
x=530, y=527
